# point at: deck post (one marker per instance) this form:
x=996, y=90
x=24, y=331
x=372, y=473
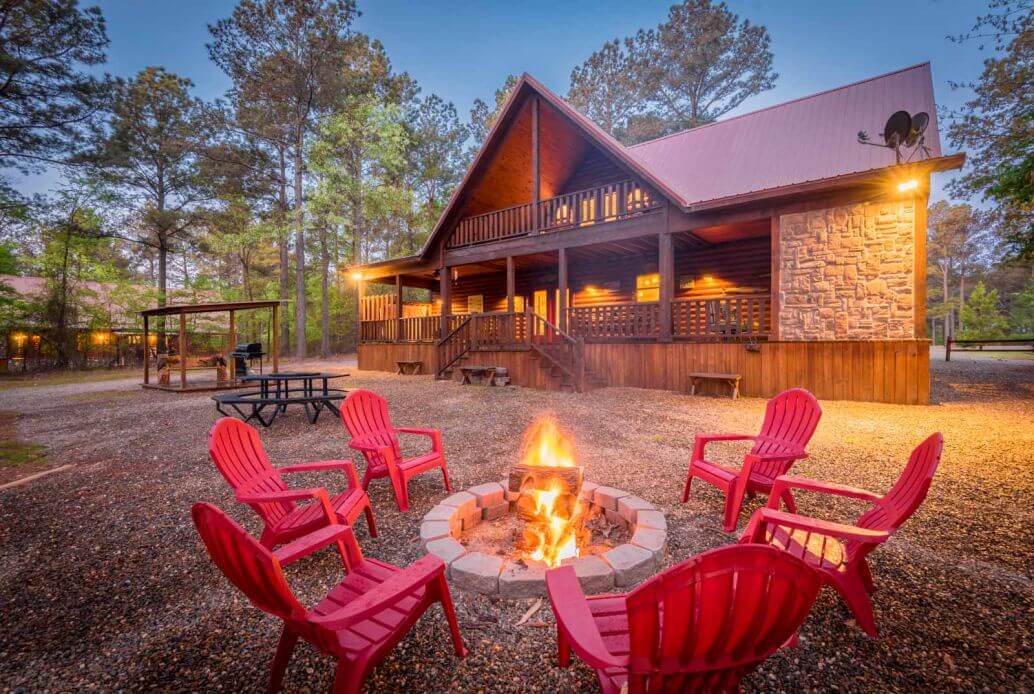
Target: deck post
x=446, y=295
x=147, y=355
x=275, y=347
x=535, y=181
x=183, y=350
x=232, y=366
x=562, y=287
x=398, y=308
x=666, y=269
x=511, y=284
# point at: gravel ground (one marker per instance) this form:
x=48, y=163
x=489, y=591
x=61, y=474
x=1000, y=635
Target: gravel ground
x=105, y=584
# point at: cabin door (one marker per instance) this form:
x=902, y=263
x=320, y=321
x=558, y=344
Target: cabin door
x=540, y=304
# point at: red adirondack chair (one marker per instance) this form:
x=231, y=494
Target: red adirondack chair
x=237, y=452
x=701, y=625
x=358, y=622
x=837, y=550
x=790, y=421
x=365, y=415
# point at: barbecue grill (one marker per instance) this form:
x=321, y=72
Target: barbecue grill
x=244, y=356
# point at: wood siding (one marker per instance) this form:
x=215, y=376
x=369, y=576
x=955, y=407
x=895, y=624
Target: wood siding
x=888, y=371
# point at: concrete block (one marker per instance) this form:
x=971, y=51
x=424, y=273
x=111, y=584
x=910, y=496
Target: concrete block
x=594, y=574
x=631, y=564
x=651, y=519
x=463, y=501
x=588, y=491
x=497, y=511
x=447, y=549
x=653, y=541
x=477, y=572
x=434, y=530
x=488, y=494
x=607, y=497
x=630, y=506
x=516, y=581
x=614, y=518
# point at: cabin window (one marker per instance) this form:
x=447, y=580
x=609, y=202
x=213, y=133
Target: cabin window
x=610, y=205
x=588, y=211
x=648, y=287
x=476, y=303
x=518, y=303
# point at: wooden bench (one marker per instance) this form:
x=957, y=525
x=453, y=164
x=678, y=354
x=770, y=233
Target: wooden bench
x=409, y=368
x=484, y=374
x=1007, y=345
x=732, y=380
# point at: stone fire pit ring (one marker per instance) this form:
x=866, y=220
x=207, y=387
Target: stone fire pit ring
x=620, y=567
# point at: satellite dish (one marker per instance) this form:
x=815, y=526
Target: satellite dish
x=898, y=126
x=919, y=123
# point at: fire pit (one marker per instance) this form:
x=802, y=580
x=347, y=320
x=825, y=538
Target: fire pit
x=500, y=538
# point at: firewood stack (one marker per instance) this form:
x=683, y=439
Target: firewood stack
x=525, y=478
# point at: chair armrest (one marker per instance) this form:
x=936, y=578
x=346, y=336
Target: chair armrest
x=419, y=573
x=785, y=482
x=345, y=466
x=701, y=440
x=307, y=544
x=768, y=516
x=434, y=434
x=280, y=497
x=572, y=614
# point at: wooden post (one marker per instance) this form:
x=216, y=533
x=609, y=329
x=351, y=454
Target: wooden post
x=511, y=285
x=535, y=180
x=360, y=289
x=444, y=291
x=773, y=330
x=562, y=287
x=147, y=355
x=232, y=366
x=275, y=347
x=398, y=308
x=183, y=350
x=666, y=269
x=919, y=264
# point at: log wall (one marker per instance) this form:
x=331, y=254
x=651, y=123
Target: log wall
x=382, y=356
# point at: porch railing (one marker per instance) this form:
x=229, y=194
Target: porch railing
x=728, y=319
x=614, y=321
x=605, y=203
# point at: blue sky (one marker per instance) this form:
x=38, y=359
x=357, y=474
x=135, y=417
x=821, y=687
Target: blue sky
x=463, y=50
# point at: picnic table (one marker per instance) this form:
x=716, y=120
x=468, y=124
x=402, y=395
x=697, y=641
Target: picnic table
x=408, y=368
x=275, y=392
x=484, y=374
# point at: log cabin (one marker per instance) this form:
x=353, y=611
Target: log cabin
x=773, y=245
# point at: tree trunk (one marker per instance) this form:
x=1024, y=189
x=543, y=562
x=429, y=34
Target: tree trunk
x=324, y=294
x=285, y=255
x=962, y=293
x=299, y=249
x=947, y=311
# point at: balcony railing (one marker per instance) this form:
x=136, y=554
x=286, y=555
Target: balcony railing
x=605, y=203
x=728, y=319
x=614, y=321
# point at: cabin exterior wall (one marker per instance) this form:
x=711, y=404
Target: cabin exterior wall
x=848, y=273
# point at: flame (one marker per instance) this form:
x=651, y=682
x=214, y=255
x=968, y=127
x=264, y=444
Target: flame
x=557, y=530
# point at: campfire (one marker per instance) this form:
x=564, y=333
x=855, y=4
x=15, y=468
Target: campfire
x=548, y=481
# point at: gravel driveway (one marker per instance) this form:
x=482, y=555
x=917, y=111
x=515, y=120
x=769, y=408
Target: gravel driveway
x=105, y=584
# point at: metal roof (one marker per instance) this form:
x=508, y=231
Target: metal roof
x=809, y=139
x=177, y=309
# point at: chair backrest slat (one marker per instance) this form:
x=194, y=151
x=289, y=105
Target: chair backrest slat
x=237, y=452
x=790, y=420
x=909, y=491
x=365, y=414
x=708, y=621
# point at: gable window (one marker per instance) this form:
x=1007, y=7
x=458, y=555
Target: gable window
x=648, y=287
x=476, y=303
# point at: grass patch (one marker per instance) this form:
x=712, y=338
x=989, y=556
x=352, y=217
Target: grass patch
x=19, y=454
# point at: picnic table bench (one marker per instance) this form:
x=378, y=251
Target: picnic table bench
x=275, y=393
x=484, y=374
x=731, y=379
x=409, y=368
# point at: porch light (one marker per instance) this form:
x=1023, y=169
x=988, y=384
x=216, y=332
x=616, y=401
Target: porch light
x=19, y=338
x=357, y=276
x=908, y=185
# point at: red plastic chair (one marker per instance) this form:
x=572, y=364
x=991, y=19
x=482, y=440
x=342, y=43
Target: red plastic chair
x=839, y=551
x=237, y=452
x=790, y=421
x=365, y=415
x=701, y=625
x=358, y=622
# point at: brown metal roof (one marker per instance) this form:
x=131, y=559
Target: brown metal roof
x=177, y=309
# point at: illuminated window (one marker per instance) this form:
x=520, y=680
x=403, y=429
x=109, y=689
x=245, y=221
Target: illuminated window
x=610, y=206
x=562, y=214
x=648, y=287
x=518, y=304
x=476, y=303
x=637, y=199
x=588, y=211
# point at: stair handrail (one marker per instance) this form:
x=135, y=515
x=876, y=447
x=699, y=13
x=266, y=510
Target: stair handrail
x=442, y=344
x=575, y=370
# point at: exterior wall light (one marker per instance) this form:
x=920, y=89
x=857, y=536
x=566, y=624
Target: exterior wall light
x=908, y=185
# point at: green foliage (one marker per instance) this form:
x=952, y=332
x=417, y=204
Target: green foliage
x=982, y=317
x=690, y=70
x=1021, y=310
x=997, y=125
x=483, y=115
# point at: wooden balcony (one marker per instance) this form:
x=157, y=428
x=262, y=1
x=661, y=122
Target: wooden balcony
x=589, y=207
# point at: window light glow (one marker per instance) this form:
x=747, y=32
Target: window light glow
x=908, y=185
